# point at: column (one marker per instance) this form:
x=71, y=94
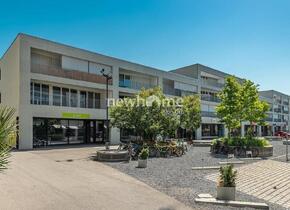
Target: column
x=259, y=131
x=198, y=133
x=115, y=132
x=242, y=129
x=226, y=131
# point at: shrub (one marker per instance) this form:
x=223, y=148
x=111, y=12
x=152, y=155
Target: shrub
x=227, y=177
x=144, y=154
x=244, y=142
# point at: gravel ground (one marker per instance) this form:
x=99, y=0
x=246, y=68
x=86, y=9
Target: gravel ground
x=175, y=177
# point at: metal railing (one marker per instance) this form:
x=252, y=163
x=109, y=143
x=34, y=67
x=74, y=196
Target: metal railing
x=134, y=84
x=208, y=114
x=217, y=85
x=210, y=98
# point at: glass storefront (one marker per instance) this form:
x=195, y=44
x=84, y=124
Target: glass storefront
x=66, y=131
x=212, y=130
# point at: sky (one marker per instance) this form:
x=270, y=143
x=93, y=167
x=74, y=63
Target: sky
x=246, y=38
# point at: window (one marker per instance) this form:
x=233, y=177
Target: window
x=124, y=80
x=73, y=98
x=56, y=96
x=97, y=100
x=36, y=93
x=65, y=97
x=31, y=93
x=44, y=94
x=83, y=99
x=90, y=100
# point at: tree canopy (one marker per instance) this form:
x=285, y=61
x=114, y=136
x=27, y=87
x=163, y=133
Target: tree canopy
x=241, y=103
x=150, y=113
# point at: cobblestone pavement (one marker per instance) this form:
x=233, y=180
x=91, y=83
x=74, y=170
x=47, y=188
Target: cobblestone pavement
x=268, y=180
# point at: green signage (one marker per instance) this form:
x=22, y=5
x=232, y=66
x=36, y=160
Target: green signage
x=75, y=115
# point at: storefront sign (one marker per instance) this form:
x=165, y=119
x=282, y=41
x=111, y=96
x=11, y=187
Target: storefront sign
x=75, y=115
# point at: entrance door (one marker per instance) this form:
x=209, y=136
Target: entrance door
x=94, y=131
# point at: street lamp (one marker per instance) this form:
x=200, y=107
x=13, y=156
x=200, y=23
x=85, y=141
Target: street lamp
x=108, y=77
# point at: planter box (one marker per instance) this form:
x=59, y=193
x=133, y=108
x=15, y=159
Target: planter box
x=241, y=152
x=142, y=163
x=226, y=193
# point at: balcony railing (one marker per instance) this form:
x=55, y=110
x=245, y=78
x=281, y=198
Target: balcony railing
x=208, y=114
x=269, y=119
x=277, y=110
x=285, y=111
x=277, y=120
x=65, y=73
x=211, y=84
x=134, y=84
x=171, y=91
x=210, y=98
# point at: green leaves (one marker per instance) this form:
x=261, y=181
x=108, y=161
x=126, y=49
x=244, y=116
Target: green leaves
x=240, y=102
x=7, y=132
x=227, y=177
x=190, y=115
x=162, y=117
x=229, y=110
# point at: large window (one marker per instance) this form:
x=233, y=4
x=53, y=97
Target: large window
x=73, y=98
x=36, y=93
x=65, y=97
x=90, y=100
x=44, y=94
x=83, y=99
x=56, y=96
x=48, y=131
x=97, y=100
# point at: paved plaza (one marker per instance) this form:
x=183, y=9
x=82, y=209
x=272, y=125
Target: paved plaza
x=268, y=180
x=67, y=179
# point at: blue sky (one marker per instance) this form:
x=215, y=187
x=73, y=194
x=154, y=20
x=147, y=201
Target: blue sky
x=247, y=38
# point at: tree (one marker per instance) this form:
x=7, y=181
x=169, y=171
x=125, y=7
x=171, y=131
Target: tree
x=190, y=114
x=253, y=109
x=146, y=114
x=7, y=133
x=230, y=109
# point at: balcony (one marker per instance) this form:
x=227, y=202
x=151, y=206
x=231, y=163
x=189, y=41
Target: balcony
x=171, y=91
x=278, y=110
x=285, y=111
x=212, y=84
x=69, y=74
x=277, y=120
x=208, y=114
x=269, y=119
x=134, y=84
x=210, y=98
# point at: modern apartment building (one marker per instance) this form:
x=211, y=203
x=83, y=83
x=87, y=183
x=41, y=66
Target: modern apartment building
x=278, y=116
x=59, y=93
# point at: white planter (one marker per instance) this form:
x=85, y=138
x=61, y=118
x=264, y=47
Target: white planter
x=142, y=163
x=226, y=193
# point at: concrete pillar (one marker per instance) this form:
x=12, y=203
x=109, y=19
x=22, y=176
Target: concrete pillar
x=160, y=82
x=259, y=130
x=226, y=131
x=115, y=132
x=243, y=130
x=198, y=133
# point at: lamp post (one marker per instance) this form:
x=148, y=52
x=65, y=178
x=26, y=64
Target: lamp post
x=108, y=78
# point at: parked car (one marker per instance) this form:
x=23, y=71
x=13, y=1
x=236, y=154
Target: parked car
x=282, y=134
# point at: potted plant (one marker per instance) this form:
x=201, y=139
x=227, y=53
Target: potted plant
x=226, y=189
x=143, y=156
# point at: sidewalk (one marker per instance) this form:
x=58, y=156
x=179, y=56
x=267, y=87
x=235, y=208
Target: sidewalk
x=66, y=179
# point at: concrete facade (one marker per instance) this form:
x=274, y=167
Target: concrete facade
x=33, y=70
